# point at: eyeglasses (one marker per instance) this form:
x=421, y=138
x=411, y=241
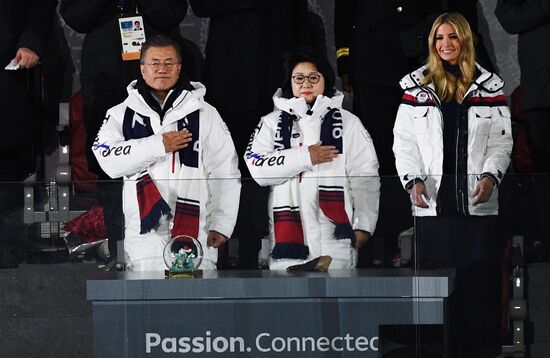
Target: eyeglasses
x=169, y=65
x=313, y=78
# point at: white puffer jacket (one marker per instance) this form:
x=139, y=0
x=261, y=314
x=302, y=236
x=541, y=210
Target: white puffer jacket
x=219, y=191
x=362, y=186
x=484, y=141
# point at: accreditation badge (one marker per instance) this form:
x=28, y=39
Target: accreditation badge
x=132, y=36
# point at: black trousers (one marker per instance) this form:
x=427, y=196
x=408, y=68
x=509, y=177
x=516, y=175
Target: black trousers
x=109, y=196
x=468, y=244
x=109, y=191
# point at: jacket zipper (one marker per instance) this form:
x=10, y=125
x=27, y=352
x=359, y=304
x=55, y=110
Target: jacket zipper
x=173, y=162
x=464, y=207
x=458, y=191
x=461, y=179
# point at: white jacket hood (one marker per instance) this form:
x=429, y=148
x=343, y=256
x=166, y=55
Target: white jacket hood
x=199, y=89
x=187, y=101
x=488, y=81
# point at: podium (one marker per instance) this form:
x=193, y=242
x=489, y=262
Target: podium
x=261, y=313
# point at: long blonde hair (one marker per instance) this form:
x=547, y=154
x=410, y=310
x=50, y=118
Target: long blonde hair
x=447, y=85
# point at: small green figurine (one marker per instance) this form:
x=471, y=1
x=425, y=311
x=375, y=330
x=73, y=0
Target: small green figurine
x=183, y=260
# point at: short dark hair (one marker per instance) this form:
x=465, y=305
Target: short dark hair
x=307, y=54
x=159, y=41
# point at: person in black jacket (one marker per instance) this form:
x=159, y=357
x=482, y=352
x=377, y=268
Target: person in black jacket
x=376, y=42
x=243, y=69
x=24, y=29
x=104, y=75
x=530, y=19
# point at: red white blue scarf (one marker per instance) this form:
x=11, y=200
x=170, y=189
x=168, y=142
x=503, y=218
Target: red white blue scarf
x=150, y=202
x=288, y=231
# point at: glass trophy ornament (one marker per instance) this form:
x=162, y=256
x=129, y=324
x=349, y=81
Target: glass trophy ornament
x=182, y=256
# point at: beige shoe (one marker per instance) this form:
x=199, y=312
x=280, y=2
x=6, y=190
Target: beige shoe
x=320, y=263
x=323, y=263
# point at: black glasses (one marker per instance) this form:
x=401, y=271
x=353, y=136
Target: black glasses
x=313, y=78
x=169, y=65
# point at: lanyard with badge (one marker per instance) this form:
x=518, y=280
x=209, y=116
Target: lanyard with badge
x=132, y=31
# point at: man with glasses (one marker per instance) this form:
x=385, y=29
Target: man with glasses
x=177, y=158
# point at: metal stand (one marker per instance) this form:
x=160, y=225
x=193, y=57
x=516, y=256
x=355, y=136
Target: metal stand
x=518, y=303
x=57, y=211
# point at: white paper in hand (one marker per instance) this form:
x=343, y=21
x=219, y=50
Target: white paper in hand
x=12, y=66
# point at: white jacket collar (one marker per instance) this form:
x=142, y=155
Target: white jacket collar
x=299, y=106
x=488, y=81
x=413, y=79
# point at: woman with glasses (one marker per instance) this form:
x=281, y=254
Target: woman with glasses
x=452, y=144
x=321, y=166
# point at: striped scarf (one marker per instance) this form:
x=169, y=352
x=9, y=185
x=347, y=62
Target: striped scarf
x=288, y=231
x=150, y=202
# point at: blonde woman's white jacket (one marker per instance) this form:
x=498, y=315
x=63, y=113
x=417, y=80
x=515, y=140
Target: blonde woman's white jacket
x=362, y=186
x=219, y=183
x=483, y=147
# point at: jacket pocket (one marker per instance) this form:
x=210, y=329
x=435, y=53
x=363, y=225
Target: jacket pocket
x=481, y=120
x=420, y=119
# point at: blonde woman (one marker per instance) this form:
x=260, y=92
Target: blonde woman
x=452, y=143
